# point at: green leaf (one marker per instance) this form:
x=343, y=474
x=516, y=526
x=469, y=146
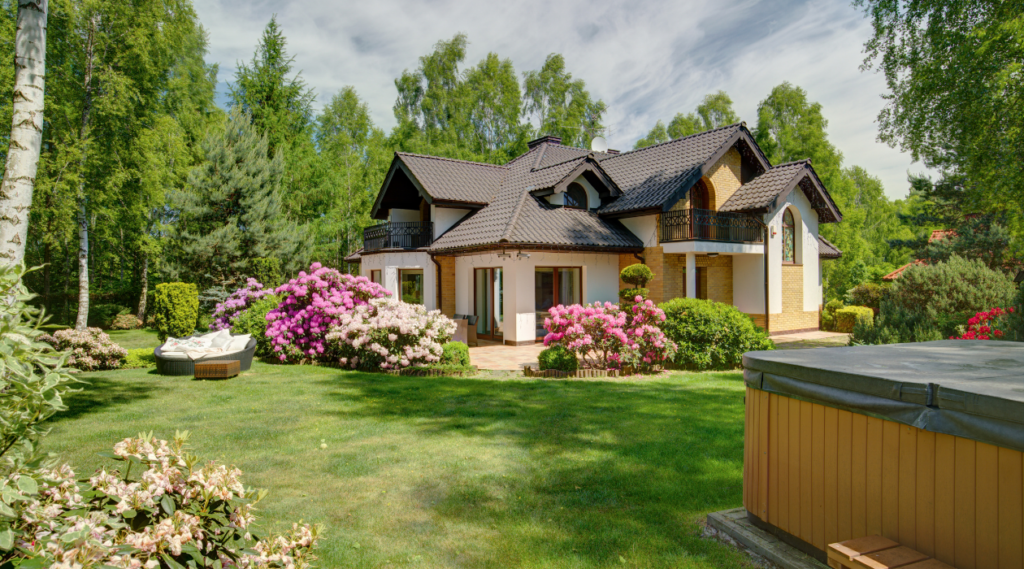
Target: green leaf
x=6, y=511
x=28, y=485
x=108, y=454
x=167, y=504
x=6, y=539
x=129, y=514
x=171, y=562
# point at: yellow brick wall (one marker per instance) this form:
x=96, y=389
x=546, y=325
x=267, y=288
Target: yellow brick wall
x=447, y=285
x=758, y=319
x=793, y=316
x=725, y=178
x=655, y=257
x=716, y=279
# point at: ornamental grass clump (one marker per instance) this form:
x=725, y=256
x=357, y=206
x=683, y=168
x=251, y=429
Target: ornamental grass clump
x=225, y=313
x=313, y=304
x=389, y=334
x=165, y=509
x=603, y=336
x=88, y=350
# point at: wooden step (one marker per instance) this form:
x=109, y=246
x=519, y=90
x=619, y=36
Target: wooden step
x=877, y=552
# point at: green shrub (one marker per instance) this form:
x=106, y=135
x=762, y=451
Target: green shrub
x=455, y=354
x=139, y=358
x=847, y=317
x=254, y=321
x=628, y=295
x=637, y=275
x=266, y=270
x=175, y=309
x=1015, y=326
x=102, y=315
x=711, y=335
x=558, y=358
x=896, y=325
x=866, y=294
x=951, y=292
x=828, y=315
x=126, y=322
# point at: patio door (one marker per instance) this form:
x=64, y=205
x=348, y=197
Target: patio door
x=554, y=286
x=488, y=302
x=700, y=203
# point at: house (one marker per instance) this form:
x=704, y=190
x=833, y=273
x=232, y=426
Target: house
x=708, y=213
x=936, y=235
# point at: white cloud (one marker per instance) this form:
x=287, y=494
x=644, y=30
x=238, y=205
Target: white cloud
x=646, y=60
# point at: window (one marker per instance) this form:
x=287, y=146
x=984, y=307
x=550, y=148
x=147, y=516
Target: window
x=375, y=277
x=788, y=238
x=411, y=283
x=554, y=286
x=576, y=196
x=701, y=278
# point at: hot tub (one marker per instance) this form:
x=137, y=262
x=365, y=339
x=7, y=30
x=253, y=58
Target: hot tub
x=920, y=443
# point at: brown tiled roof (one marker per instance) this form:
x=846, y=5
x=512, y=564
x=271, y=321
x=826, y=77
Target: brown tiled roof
x=649, y=176
x=454, y=180
x=826, y=250
x=940, y=234
x=898, y=272
x=355, y=256
x=515, y=216
x=762, y=190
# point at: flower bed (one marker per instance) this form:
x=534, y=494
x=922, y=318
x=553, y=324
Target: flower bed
x=90, y=349
x=389, y=334
x=603, y=336
x=313, y=304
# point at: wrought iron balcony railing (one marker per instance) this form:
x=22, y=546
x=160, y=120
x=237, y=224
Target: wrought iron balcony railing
x=710, y=225
x=398, y=235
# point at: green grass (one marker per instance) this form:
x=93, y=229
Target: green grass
x=132, y=339
x=440, y=472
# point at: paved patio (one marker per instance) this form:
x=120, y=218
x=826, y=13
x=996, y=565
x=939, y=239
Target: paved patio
x=497, y=357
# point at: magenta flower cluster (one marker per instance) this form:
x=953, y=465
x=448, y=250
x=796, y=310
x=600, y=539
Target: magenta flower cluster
x=603, y=336
x=225, y=313
x=313, y=304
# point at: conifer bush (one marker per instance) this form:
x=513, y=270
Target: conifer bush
x=175, y=309
x=266, y=270
x=637, y=275
x=847, y=318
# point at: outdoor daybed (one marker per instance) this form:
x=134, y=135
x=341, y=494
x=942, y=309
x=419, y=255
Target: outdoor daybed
x=178, y=363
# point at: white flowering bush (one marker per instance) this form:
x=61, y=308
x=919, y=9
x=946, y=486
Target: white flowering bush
x=389, y=334
x=89, y=350
x=164, y=510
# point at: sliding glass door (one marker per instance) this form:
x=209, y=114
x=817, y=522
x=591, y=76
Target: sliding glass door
x=554, y=286
x=488, y=302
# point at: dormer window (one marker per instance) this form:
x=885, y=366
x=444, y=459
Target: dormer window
x=576, y=196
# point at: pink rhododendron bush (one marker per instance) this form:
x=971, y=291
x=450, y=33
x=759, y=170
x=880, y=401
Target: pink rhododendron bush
x=88, y=350
x=164, y=510
x=225, y=313
x=389, y=334
x=604, y=336
x=313, y=304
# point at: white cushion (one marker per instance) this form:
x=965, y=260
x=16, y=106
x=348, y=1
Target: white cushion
x=186, y=344
x=220, y=339
x=174, y=355
x=237, y=343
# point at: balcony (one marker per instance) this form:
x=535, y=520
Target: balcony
x=398, y=235
x=710, y=225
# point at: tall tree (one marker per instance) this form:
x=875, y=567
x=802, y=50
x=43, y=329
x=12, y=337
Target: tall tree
x=562, y=105
x=231, y=211
x=712, y=112
x=22, y=156
x=956, y=91
x=790, y=127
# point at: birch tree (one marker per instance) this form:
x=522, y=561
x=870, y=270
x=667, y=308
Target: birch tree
x=26, y=129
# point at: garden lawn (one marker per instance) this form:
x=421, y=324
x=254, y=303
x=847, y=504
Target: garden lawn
x=429, y=472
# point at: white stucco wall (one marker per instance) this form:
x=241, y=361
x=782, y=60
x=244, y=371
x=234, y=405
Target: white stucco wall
x=390, y=263
x=593, y=198
x=806, y=219
x=644, y=227
x=445, y=217
x=600, y=283
x=748, y=283
x=405, y=215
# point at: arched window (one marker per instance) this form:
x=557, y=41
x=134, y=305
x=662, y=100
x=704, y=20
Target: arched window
x=576, y=196
x=788, y=238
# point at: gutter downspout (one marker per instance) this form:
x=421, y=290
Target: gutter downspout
x=437, y=280
x=764, y=226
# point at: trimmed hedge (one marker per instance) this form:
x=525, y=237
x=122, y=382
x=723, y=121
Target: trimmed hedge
x=266, y=270
x=455, y=354
x=139, y=358
x=637, y=275
x=711, y=335
x=847, y=318
x=254, y=321
x=628, y=295
x=558, y=358
x=867, y=294
x=175, y=309
x=828, y=315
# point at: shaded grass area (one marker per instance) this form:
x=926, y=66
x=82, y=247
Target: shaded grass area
x=133, y=339
x=441, y=472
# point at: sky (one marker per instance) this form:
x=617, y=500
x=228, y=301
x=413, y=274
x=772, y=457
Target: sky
x=647, y=60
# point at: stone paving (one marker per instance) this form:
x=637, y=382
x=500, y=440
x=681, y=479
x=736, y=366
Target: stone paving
x=497, y=357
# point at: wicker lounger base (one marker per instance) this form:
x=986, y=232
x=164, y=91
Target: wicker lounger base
x=166, y=366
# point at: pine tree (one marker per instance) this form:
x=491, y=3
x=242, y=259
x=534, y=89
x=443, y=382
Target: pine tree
x=231, y=211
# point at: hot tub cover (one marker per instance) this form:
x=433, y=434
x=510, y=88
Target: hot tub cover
x=967, y=388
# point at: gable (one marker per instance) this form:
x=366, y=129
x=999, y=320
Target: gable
x=438, y=181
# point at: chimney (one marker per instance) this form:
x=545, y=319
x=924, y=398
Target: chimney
x=612, y=152
x=551, y=139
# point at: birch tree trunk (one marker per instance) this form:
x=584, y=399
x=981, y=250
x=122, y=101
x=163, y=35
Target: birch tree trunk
x=26, y=130
x=82, y=322
x=145, y=288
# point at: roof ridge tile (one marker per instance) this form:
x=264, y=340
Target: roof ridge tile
x=456, y=160
x=674, y=140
